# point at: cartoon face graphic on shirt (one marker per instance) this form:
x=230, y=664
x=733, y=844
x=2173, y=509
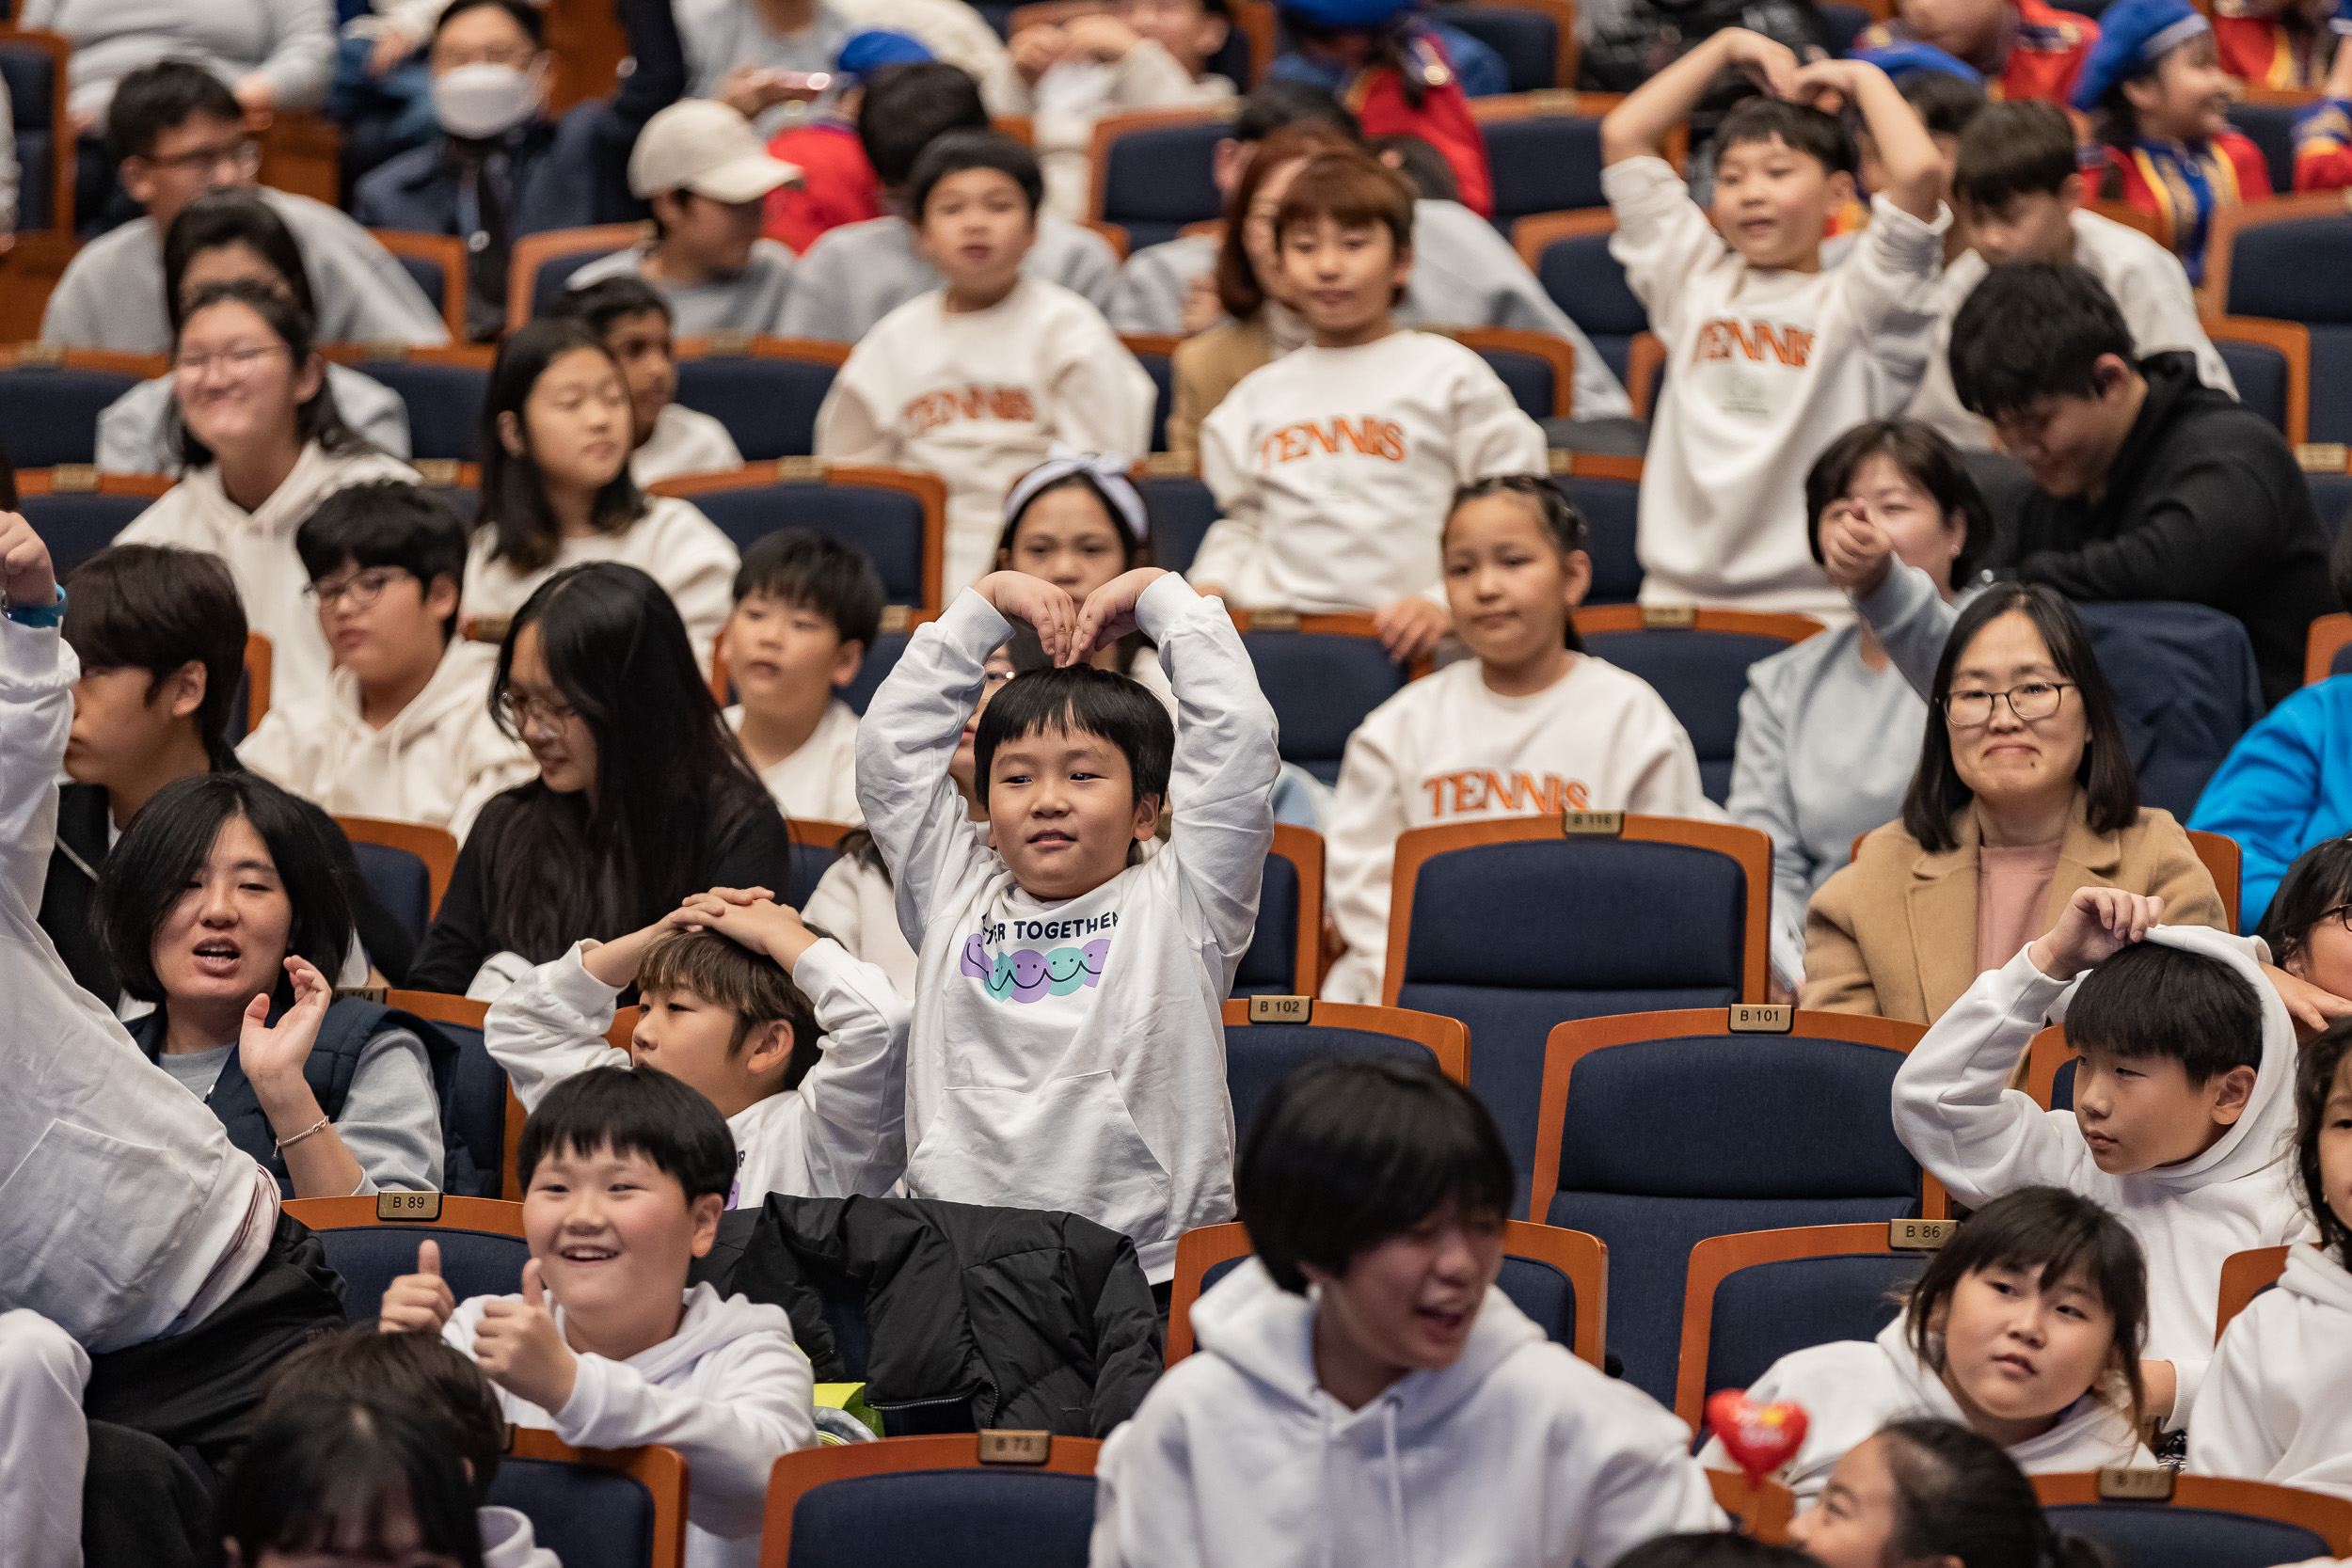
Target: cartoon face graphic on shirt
x=1026, y=974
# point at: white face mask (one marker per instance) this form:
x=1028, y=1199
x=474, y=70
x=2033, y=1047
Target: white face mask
x=485, y=100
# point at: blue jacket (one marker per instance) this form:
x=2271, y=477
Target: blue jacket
x=2287, y=784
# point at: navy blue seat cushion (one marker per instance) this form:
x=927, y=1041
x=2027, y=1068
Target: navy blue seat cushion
x=428, y=275
x=1156, y=182
x=444, y=405
x=2331, y=383
x=2261, y=375
x=1320, y=686
x=2293, y=271
x=1764, y=1312
x=980, y=1518
x=1608, y=509
x=400, y=882
x=1271, y=968
x=769, y=406
x=50, y=413
x=2165, y=1535
x=1534, y=1287
x=478, y=1112
x=1180, y=509
x=1161, y=367
x=1529, y=378
x=1529, y=43
x=1588, y=283
x=76, y=527
x=2185, y=688
x=555, y=273
x=886, y=524
x=2331, y=498
x=370, y=1257
x=881, y=659
x=2062, y=1088
x=1543, y=164
x=589, y=1517
x=1842, y=23
x=1702, y=674
x=1257, y=1056
x=2271, y=128
x=1598, y=926
x=810, y=861
x=31, y=78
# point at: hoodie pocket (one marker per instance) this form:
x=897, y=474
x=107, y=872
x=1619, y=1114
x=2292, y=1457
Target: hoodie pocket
x=1069, y=1145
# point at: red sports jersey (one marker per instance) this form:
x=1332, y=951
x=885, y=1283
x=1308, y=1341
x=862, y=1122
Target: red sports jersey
x=2323, y=146
x=2261, y=53
x=2043, y=50
x=837, y=184
x=1443, y=121
x=2232, y=169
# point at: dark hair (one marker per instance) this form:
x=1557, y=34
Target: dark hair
x=2117, y=121
x=1959, y=1495
x=163, y=97
x=1714, y=1549
x=805, y=569
x=2316, y=885
x=386, y=523
x=1347, y=1152
x=753, y=987
x=323, y=1471
x=2340, y=560
x=1276, y=105
x=959, y=151
x=2320, y=1065
x=633, y=1110
x=1135, y=552
x=7, y=480
x=2033, y=328
x=1925, y=458
x=2156, y=999
x=526, y=17
x=1238, y=287
x=606, y=302
x=672, y=780
x=1945, y=102
x=2018, y=147
x=907, y=107
x=1080, y=698
x=1560, y=521
x=2104, y=773
x=1422, y=166
x=316, y=419
x=150, y=867
x=420, y=1373
x=1351, y=187
x=216, y=220
x=1807, y=130
x=158, y=609
x=523, y=531
x=2059, y=1233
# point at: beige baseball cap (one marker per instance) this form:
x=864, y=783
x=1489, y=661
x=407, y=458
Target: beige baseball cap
x=705, y=146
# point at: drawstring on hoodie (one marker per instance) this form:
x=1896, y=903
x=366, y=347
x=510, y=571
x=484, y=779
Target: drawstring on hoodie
x=1396, y=1484
x=1323, y=1483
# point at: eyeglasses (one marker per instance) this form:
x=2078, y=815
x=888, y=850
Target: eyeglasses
x=520, y=706
x=243, y=155
x=1971, y=710
x=363, y=589
x=235, y=363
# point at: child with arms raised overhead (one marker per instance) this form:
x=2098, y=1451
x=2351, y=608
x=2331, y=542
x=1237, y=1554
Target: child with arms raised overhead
x=806, y=610
x=1530, y=723
x=1330, y=464
x=1067, y=1049
x=624, y=1175
x=1077, y=522
x=1769, y=356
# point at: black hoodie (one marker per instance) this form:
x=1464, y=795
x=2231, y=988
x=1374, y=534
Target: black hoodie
x=2204, y=503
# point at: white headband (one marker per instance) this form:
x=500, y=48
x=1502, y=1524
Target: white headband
x=2165, y=40
x=1108, y=469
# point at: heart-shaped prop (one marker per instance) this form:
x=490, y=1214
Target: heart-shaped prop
x=1759, y=1437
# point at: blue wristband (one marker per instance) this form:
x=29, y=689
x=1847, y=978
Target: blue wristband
x=40, y=614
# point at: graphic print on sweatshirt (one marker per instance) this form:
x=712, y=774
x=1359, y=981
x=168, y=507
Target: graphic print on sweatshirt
x=944, y=405
x=1749, y=352
x=1479, y=791
x=1022, y=960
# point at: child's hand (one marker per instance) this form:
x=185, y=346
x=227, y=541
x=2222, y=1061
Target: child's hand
x=1035, y=50
x=27, y=577
x=762, y=924
x=1769, y=63
x=1101, y=36
x=1411, y=628
x=2311, y=1008
x=1828, y=86
x=520, y=1348
x=418, y=1302
x=1856, y=551
x=2099, y=923
x=1109, y=613
x=1050, y=609
x=614, y=963
x=272, y=1055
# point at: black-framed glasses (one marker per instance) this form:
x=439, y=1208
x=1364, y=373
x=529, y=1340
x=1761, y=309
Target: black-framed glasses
x=244, y=154
x=520, y=706
x=363, y=589
x=1971, y=710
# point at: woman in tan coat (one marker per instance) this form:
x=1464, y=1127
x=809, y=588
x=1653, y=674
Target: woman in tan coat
x=2024, y=793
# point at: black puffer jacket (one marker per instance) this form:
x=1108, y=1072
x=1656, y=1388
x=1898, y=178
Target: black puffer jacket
x=954, y=1316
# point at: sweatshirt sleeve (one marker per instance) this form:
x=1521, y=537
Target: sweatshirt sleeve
x=904, y=745
x=849, y=429
x=1221, y=781
x=2232, y=1436
x=1888, y=284
x=697, y=570
x=1367, y=814
x=1640, y=1484
x=1492, y=435
x=2154, y=293
x=1762, y=798
x=1662, y=238
x=1912, y=622
x=853, y=1101
x=2267, y=792
x=1231, y=472
x=1101, y=398
x=1145, y=1503
x=37, y=675
x=302, y=52
x=1953, y=1109
x=549, y=1025
x=391, y=1118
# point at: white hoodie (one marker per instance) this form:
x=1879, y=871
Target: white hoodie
x=507, y=1540
x=1851, y=1388
x=730, y=1390
x=839, y=1132
x=1982, y=1139
x=1519, y=1454
x=2278, y=1403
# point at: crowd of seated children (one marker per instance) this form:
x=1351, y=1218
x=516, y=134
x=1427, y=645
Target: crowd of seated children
x=2323, y=133
x=404, y=731
x=220, y=237
x=975, y=380
x=836, y=183
x=1529, y=723
x=1401, y=72
x=1826, y=747
x=2023, y=796
x=2276, y=43
x=1773, y=356
x=178, y=132
x=1363, y=1392
x=1334, y=466
x=557, y=420
x=261, y=442
x=2024, y=49
x=624, y=1175
x=800, y=1047
x=1055, y=961
x=2025, y=1327
x=858, y=273
x=806, y=610
x=701, y=166
x=1077, y=522
x=666, y=437
x=644, y=794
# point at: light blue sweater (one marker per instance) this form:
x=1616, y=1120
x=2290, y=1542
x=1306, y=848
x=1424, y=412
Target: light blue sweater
x=2286, y=786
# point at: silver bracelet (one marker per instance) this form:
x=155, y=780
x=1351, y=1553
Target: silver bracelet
x=321, y=1125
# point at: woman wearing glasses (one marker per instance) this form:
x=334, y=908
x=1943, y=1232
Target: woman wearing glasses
x=2023, y=794
x=644, y=794
x=263, y=444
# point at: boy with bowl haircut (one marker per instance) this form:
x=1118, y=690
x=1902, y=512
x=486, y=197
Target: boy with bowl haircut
x=1067, y=1050
x=667, y=437
x=806, y=610
x=799, y=1046
x=403, y=730
x=2184, y=1104
x=624, y=1176
x=1769, y=356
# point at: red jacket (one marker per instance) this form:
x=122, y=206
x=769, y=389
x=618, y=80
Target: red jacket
x=2261, y=53
x=837, y=184
x=2323, y=145
x=1443, y=121
x=2235, y=172
x=2043, y=50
